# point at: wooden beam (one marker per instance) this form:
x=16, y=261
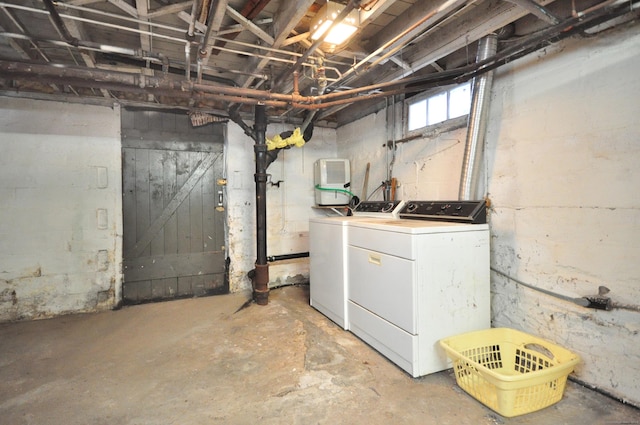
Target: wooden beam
x=250, y=26
x=250, y=11
x=288, y=16
x=125, y=7
x=170, y=9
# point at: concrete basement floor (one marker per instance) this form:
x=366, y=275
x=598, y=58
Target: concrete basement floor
x=198, y=361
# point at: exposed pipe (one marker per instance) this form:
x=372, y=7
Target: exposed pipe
x=59, y=24
x=405, y=37
x=97, y=47
x=476, y=127
x=307, y=133
x=187, y=61
x=314, y=46
x=307, y=121
x=192, y=22
x=202, y=52
x=577, y=14
x=19, y=26
x=236, y=118
x=156, y=34
x=273, y=258
x=399, y=38
x=133, y=82
x=261, y=277
x=537, y=9
x=599, y=302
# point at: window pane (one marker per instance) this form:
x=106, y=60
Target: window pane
x=417, y=115
x=437, y=110
x=460, y=101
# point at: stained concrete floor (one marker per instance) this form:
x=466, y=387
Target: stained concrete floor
x=199, y=361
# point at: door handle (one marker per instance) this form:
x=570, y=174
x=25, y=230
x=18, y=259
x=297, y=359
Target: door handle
x=374, y=259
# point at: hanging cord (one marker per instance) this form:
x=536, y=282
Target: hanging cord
x=353, y=202
x=329, y=189
x=375, y=191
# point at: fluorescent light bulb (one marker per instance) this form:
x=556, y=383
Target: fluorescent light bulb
x=340, y=32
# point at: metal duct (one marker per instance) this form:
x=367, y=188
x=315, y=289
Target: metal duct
x=487, y=47
x=261, y=276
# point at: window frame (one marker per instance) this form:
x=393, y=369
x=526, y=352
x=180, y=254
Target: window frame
x=424, y=97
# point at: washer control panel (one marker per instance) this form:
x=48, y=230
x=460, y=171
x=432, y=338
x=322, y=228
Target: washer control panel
x=378, y=208
x=474, y=212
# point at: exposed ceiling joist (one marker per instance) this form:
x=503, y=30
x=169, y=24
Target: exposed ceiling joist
x=125, y=7
x=250, y=26
x=169, y=9
x=254, y=45
x=288, y=17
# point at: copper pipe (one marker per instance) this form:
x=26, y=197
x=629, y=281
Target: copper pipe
x=94, y=77
x=296, y=90
x=353, y=4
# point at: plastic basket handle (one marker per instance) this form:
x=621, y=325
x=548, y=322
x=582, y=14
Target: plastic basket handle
x=540, y=349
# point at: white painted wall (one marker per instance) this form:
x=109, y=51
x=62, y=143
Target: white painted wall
x=61, y=209
x=56, y=158
x=561, y=171
x=288, y=206
x=562, y=166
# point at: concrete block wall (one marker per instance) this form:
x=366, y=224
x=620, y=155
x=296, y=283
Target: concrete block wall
x=560, y=169
x=424, y=170
x=562, y=174
x=60, y=215
x=289, y=206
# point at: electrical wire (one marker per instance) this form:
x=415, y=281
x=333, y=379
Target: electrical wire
x=374, y=192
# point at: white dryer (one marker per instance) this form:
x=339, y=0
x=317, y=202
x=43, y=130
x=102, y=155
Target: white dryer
x=328, y=273
x=418, y=279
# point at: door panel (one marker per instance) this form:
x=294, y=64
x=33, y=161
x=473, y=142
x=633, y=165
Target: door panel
x=173, y=232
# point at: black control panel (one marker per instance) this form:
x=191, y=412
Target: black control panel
x=473, y=212
x=377, y=206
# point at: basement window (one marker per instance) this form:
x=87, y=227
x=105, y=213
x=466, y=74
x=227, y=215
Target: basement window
x=437, y=108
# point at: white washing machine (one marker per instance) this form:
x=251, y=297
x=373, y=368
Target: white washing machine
x=328, y=274
x=415, y=281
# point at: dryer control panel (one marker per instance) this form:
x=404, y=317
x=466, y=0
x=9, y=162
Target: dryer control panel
x=473, y=212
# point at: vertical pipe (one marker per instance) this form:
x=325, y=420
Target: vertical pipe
x=477, y=122
x=261, y=278
x=187, y=60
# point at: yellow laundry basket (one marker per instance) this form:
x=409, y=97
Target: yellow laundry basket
x=509, y=371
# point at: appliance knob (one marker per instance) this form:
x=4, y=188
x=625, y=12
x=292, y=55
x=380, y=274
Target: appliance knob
x=388, y=207
x=412, y=207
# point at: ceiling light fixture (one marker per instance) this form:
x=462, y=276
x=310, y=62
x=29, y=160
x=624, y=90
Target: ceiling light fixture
x=340, y=32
